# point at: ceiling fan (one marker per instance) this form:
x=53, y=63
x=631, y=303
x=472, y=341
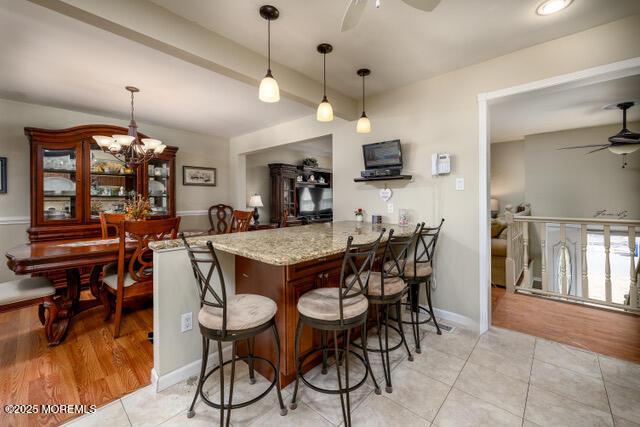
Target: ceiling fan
x=624, y=142
x=355, y=10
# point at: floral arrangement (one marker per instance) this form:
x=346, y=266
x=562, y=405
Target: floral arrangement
x=137, y=208
x=310, y=161
x=359, y=212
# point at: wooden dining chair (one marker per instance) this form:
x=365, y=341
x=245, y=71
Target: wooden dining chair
x=110, y=221
x=220, y=217
x=240, y=221
x=134, y=276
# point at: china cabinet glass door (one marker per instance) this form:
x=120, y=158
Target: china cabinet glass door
x=158, y=186
x=112, y=183
x=60, y=184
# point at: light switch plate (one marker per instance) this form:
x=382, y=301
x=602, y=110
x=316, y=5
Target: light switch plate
x=186, y=322
x=389, y=207
x=459, y=184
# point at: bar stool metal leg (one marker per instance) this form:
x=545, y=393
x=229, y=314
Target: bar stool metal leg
x=433, y=315
x=221, y=361
x=363, y=335
x=233, y=374
x=340, y=390
x=251, y=342
x=293, y=405
x=203, y=368
x=401, y=328
x=276, y=337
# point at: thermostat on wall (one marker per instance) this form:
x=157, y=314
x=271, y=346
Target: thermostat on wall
x=440, y=164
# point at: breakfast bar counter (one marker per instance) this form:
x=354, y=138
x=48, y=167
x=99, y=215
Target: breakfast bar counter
x=281, y=264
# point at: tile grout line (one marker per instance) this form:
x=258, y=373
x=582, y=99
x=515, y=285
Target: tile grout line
x=526, y=399
x=606, y=392
x=125, y=411
x=456, y=380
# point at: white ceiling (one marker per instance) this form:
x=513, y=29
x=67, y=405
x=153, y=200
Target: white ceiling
x=400, y=44
x=51, y=59
x=573, y=108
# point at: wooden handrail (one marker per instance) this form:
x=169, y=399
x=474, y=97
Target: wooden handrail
x=555, y=220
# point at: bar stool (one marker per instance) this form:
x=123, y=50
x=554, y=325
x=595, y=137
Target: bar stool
x=418, y=271
x=339, y=309
x=386, y=289
x=234, y=318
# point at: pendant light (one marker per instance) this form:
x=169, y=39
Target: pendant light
x=269, y=90
x=363, y=125
x=325, y=111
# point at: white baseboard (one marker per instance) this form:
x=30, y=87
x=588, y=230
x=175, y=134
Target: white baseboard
x=163, y=382
x=456, y=318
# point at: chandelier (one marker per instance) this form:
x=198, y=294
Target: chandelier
x=130, y=149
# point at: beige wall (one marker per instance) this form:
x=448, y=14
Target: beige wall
x=507, y=173
x=195, y=149
x=566, y=183
x=259, y=180
x=441, y=115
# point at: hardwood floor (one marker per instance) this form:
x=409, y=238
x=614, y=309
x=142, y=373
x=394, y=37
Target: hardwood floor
x=89, y=367
x=602, y=331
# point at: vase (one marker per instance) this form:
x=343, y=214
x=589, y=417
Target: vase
x=359, y=218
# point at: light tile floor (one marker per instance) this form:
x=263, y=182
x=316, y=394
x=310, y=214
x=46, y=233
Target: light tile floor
x=502, y=378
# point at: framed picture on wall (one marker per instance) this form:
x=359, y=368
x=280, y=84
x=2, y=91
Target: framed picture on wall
x=3, y=175
x=197, y=175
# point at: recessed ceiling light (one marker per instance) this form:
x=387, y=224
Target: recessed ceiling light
x=552, y=6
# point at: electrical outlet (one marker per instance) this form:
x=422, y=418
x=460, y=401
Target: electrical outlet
x=460, y=184
x=186, y=322
x=389, y=207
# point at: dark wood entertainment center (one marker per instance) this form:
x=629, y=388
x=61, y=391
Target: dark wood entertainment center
x=284, y=184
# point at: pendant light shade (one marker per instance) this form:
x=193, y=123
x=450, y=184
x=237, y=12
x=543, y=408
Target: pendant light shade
x=363, y=125
x=325, y=110
x=269, y=90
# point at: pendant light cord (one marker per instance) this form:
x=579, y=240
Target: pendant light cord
x=269, y=45
x=324, y=74
x=363, y=94
x=132, y=106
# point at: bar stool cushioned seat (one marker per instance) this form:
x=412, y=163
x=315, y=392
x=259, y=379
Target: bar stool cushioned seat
x=244, y=311
x=424, y=269
x=324, y=304
x=25, y=289
x=392, y=285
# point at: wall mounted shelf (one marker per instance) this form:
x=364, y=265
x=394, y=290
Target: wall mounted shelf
x=383, y=178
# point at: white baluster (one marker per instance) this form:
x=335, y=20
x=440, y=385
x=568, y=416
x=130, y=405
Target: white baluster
x=585, y=270
x=526, y=279
x=563, y=259
x=633, y=288
x=607, y=263
x=543, y=247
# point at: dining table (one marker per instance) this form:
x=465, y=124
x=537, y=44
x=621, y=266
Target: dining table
x=39, y=258
x=71, y=256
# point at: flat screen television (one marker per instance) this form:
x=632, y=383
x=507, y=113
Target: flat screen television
x=386, y=154
x=315, y=202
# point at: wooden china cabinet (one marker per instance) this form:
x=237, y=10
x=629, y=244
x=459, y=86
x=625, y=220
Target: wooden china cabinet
x=73, y=180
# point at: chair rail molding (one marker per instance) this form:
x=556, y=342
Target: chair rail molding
x=14, y=220
x=193, y=213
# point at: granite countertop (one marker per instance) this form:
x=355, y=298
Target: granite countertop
x=291, y=245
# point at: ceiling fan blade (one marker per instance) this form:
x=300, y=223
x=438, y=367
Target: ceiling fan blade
x=424, y=5
x=353, y=14
x=625, y=136
x=584, y=146
x=598, y=149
